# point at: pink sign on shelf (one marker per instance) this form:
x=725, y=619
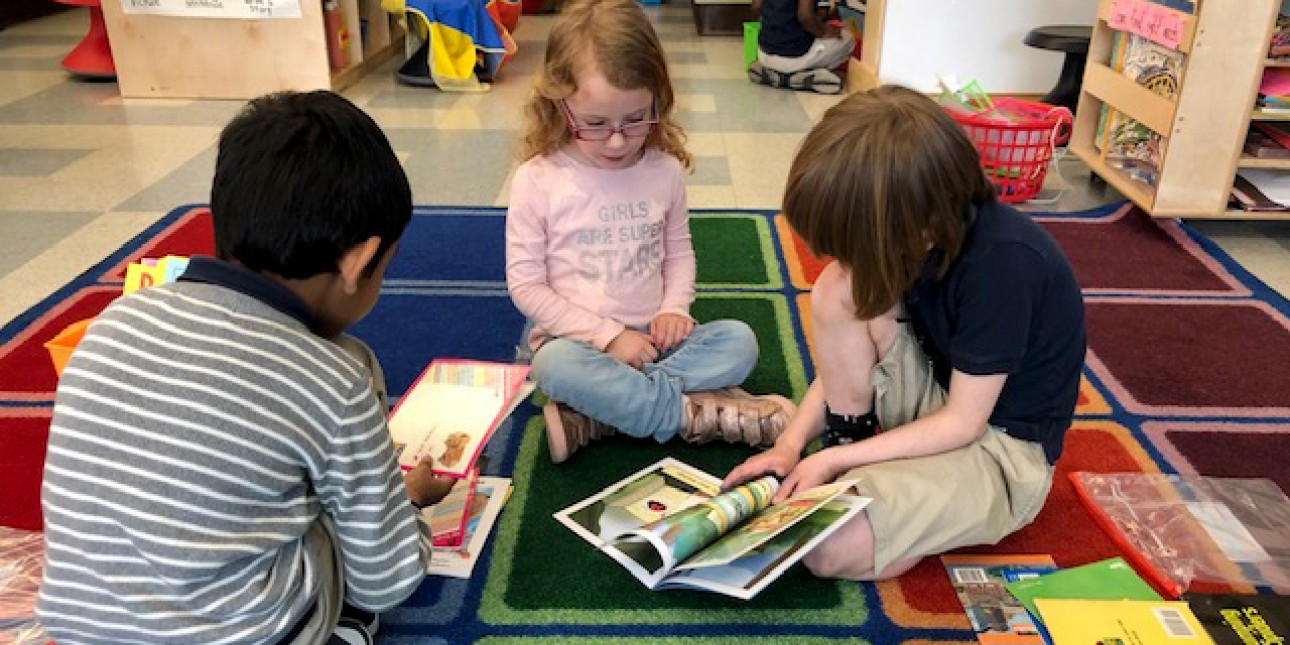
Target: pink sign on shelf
x=1119, y=18
x=1170, y=29
x=1138, y=13
x=1147, y=19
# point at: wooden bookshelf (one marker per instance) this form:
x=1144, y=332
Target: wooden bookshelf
x=210, y=58
x=1204, y=127
x=862, y=75
x=1246, y=161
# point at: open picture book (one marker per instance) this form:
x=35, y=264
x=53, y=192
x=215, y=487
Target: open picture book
x=452, y=410
x=670, y=526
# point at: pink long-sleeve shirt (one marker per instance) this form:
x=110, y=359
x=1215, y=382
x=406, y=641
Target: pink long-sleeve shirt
x=591, y=251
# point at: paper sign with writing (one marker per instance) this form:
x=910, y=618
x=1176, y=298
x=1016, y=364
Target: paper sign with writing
x=1169, y=30
x=1151, y=21
x=237, y=9
x=1119, y=18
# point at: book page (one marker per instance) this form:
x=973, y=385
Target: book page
x=452, y=410
x=642, y=498
x=764, y=525
x=745, y=576
x=680, y=535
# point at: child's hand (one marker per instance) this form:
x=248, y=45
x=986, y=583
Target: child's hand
x=668, y=330
x=820, y=468
x=776, y=461
x=632, y=347
x=424, y=487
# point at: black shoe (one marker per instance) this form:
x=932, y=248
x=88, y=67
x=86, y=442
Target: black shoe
x=823, y=81
x=761, y=75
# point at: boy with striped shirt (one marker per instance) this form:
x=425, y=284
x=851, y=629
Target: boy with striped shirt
x=219, y=467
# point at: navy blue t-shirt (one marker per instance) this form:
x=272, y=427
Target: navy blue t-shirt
x=1009, y=304
x=782, y=33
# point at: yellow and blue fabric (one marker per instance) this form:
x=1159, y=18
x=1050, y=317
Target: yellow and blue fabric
x=461, y=34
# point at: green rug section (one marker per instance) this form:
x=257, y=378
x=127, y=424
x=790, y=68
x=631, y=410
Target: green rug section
x=779, y=369
x=542, y=573
x=745, y=246
x=675, y=640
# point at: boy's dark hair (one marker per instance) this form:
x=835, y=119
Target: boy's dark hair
x=883, y=175
x=302, y=178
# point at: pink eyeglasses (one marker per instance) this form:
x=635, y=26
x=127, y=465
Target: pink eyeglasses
x=602, y=132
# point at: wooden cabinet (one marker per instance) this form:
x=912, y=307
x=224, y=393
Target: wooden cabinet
x=186, y=57
x=1204, y=126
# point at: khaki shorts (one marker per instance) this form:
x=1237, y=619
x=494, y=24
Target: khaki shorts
x=976, y=494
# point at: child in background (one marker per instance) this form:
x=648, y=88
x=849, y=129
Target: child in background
x=795, y=49
x=598, y=250
x=219, y=467
x=950, y=320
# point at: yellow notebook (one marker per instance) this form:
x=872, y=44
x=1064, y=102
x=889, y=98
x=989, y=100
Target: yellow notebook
x=1121, y=622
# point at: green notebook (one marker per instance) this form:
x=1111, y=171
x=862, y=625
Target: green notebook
x=1111, y=579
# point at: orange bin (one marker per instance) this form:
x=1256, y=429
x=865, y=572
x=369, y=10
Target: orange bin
x=60, y=347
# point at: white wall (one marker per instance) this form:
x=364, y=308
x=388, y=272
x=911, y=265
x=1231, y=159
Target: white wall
x=975, y=39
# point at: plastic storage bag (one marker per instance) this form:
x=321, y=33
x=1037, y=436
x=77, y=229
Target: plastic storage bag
x=1177, y=529
x=22, y=564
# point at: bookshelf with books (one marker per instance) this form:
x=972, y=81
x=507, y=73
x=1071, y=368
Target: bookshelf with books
x=1200, y=124
x=168, y=49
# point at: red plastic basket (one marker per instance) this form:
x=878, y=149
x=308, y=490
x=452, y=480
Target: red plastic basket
x=1015, y=141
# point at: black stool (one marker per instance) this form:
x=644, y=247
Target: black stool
x=1073, y=40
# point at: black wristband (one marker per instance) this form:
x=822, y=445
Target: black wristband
x=844, y=429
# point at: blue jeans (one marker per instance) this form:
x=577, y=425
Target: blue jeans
x=647, y=402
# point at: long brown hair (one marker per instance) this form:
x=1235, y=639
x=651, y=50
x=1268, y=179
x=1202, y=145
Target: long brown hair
x=614, y=37
x=883, y=175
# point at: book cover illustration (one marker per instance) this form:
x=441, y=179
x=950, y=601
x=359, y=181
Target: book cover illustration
x=488, y=498
x=670, y=526
x=452, y=410
x=149, y=272
x=1243, y=619
x=448, y=518
x=1126, y=143
x=1111, y=579
x=980, y=583
x=1121, y=622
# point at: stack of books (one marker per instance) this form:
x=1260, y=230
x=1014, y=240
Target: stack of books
x=1256, y=190
x=1280, y=47
x=1026, y=599
x=149, y=272
x=1274, y=91
x=465, y=518
x=1268, y=140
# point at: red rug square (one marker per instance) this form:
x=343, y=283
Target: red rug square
x=1191, y=357
x=26, y=373
x=1249, y=449
x=23, y=435
x=1148, y=255
x=191, y=234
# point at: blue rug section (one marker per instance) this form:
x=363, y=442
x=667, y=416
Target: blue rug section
x=452, y=247
x=444, y=296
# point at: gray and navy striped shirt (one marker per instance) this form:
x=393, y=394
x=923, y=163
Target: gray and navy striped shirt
x=197, y=433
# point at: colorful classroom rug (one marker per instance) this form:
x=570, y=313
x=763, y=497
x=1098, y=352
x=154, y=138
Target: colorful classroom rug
x=1189, y=357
